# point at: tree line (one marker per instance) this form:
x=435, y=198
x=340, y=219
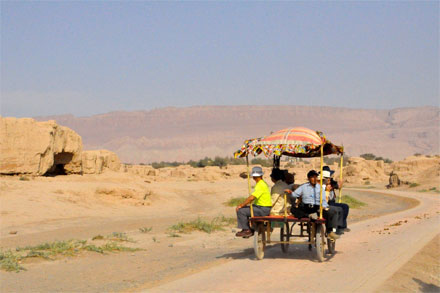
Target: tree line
x=262, y=161
x=372, y=157
x=217, y=161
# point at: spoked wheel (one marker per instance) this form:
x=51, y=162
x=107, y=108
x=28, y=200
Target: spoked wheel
x=309, y=233
x=259, y=241
x=319, y=242
x=285, y=236
x=331, y=244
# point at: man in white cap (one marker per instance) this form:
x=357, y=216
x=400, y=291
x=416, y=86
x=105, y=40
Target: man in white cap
x=262, y=203
x=310, y=202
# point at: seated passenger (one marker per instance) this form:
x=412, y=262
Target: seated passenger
x=289, y=178
x=332, y=185
x=261, y=207
x=310, y=195
x=337, y=209
x=277, y=193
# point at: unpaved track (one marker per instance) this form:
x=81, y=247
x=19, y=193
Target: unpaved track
x=365, y=258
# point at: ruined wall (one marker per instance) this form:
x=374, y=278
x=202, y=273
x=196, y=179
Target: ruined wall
x=95, y=162
x=46, y=148
x=31, y=147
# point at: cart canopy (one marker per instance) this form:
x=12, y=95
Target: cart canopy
x=293, y=142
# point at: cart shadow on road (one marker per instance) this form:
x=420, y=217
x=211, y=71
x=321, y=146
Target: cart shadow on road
x=274, y=252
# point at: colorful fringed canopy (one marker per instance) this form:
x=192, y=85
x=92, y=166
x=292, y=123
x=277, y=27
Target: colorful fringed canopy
x=293, y=142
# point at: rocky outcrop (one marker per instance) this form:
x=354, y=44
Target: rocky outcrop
x=31, y=147
x=419, y=169
x=95, y=162
x=360, y=170
x=45, y=148
x=416, y=163
x=141, y=170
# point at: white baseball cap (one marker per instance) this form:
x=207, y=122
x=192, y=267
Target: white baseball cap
x=326, y=174
x=257, y=172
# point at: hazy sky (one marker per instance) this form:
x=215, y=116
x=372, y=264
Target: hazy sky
x=94, y=57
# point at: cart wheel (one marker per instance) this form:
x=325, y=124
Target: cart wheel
x=331, y=246
x=259, y=241
x=319, y=242
x=285, y=236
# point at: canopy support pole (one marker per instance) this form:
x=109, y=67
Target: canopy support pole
x=320, y=190
x=340, y=177
x=249, y=184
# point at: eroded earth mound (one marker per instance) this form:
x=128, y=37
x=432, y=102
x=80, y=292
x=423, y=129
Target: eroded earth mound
x=45, y=148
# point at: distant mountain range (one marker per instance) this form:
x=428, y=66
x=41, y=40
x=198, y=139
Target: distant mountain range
x=181, y=134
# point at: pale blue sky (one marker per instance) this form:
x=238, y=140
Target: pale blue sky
x=88, y=57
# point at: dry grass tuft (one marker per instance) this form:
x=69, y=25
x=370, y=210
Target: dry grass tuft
x=235, y=201
x=115, y=236
x=11, y=260
x=216, y=224
x=145, y=229
x=172, y=234
x=352, y=202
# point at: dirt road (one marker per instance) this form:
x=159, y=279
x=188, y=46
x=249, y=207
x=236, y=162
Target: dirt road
x=373, y=251
x=165, y=261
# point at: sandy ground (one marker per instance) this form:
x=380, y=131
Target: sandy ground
x=375, y=249
x=80, y=207
x=420, y=274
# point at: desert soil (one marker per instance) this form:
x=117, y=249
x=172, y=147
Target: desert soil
x=420, y=274
x=374, y=250
x=48, y=209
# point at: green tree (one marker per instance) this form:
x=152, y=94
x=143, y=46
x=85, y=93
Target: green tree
x=220, y=162
x=368, y=156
